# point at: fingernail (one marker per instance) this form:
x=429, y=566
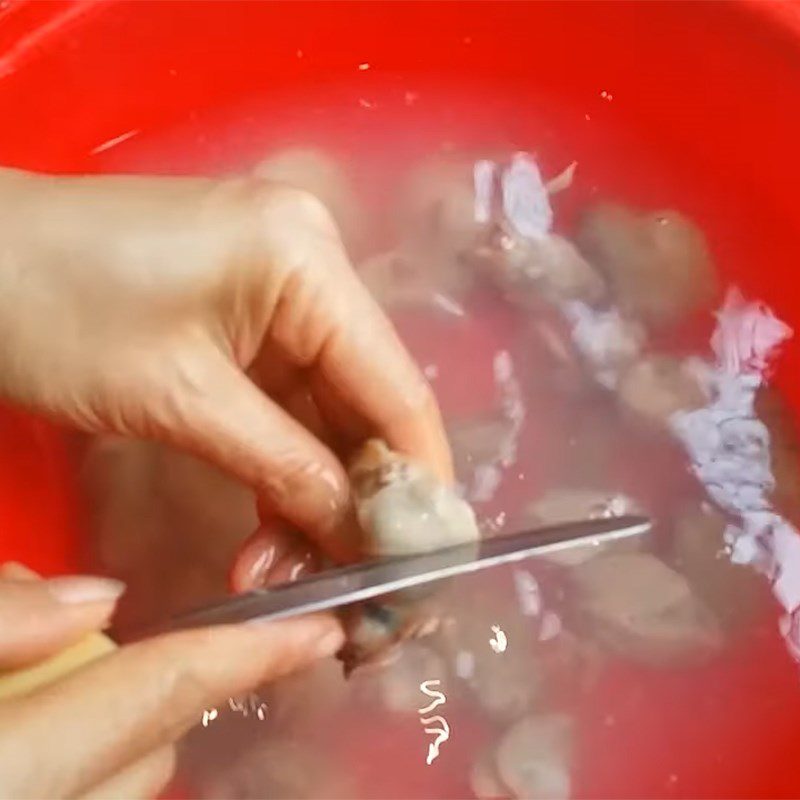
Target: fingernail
x=75, y=589
x=17, y=571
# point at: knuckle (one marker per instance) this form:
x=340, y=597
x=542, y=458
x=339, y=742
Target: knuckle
x=305, y=483
x=306, y=206
x=285, y=203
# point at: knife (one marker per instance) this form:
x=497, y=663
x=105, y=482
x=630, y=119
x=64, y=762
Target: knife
x=343, y=586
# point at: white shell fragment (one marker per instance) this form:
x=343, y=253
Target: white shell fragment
x=730, y=450
x=484, y=175
x=747, y=335
x=525, y=199
x=608, y=342
x=514, y=246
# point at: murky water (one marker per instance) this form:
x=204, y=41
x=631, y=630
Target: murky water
x=657, y=669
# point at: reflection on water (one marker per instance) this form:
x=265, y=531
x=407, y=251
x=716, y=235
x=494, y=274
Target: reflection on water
x=442, y=730
x=248, y=705
x=498, y=642
x=209, y=715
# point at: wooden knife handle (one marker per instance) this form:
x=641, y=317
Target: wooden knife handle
x=18, y=682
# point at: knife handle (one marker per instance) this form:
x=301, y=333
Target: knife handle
x=19, y=682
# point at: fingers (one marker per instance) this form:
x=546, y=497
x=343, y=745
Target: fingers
x=257, y=558
x=131, y=703
x=141, y=780
x=327, y=320
x=41, y=617
x=272, y=555
x=293, y=566
x=368, y=369
x=289, y=387
x=227, y=420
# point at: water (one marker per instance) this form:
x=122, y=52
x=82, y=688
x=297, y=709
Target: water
x=691, y=701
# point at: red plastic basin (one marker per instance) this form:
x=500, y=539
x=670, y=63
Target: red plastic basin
x=710, y=89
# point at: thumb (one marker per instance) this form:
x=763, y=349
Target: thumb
x=135, y=701
x=41, y=617
x=226, y=419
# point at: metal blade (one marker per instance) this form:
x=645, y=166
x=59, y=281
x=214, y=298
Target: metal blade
x=345, y=585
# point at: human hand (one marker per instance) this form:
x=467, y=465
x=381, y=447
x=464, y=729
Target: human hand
x=108, y=729
x=219, y=316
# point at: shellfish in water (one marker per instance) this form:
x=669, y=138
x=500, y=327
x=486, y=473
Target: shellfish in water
x=401, y=509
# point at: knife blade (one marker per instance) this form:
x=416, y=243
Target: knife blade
x=358, y=582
